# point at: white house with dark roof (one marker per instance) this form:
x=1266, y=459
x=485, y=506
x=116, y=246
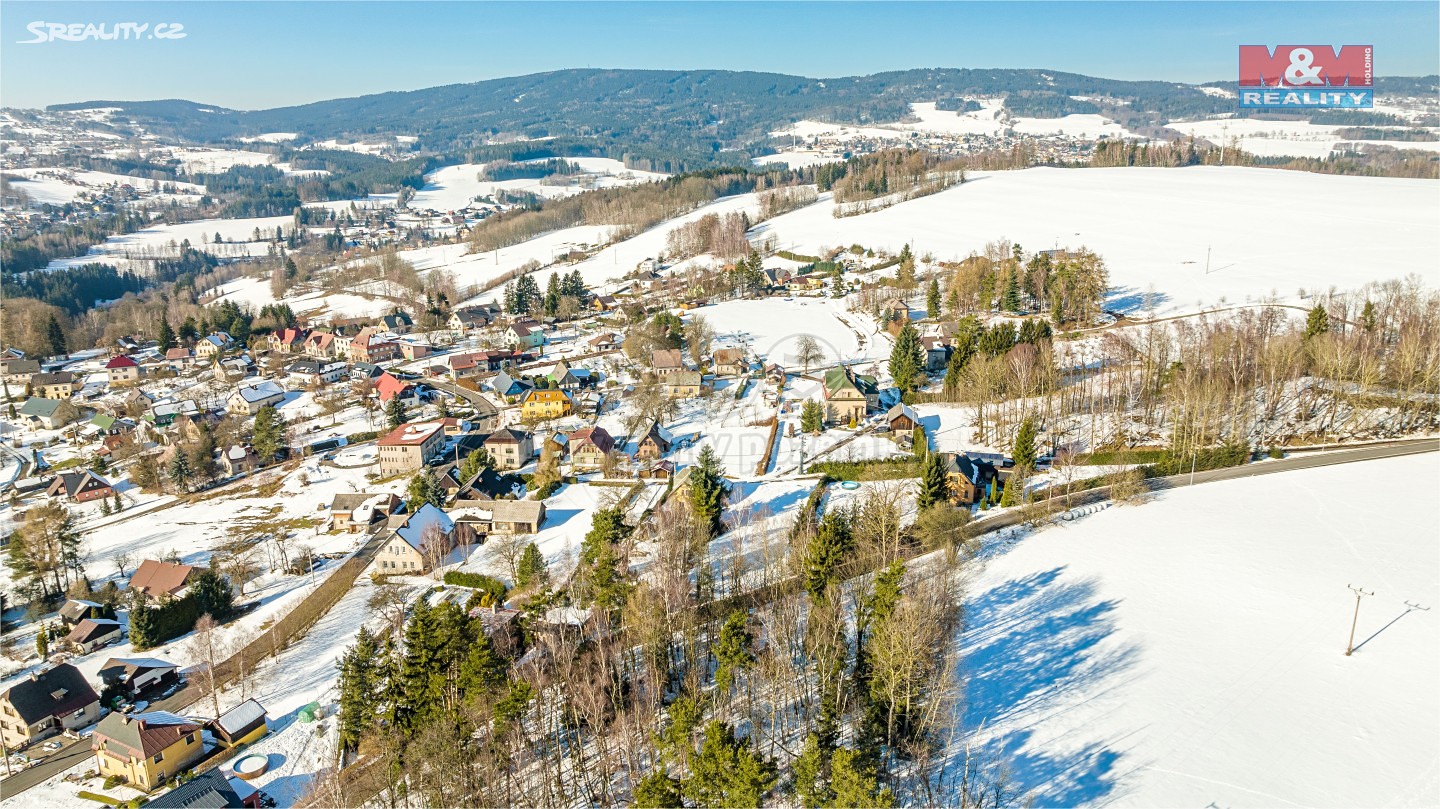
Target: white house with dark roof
x=249, y=399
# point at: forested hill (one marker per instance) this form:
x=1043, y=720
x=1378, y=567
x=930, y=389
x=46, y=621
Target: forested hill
x=696, y=115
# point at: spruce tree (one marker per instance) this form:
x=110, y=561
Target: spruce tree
x=532, y=568
x=42, y=643
x=1367, y=317
x=657, y=790
x=269, y=435
x=55, y=337
x=733, y=650
x=359, y=683
x=167, y=334
x=552, y=295
x=707, y=490
x=142, y=622
x=179, y=471
x=1023, y=450
x=1317, y=322
x=907, y=359
x=1011, y=302
x=855, y=782
x=827, y=550
x=812, y=417
x=395, y=413
x=932, y=299
x=728, y=772
x=933, y=483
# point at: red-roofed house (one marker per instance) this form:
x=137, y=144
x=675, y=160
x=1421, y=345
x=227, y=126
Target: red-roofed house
x=122, y=370
x=388, y=387
x=288, y=341
x=370, y=345
x=154, y=579
x=588, y=447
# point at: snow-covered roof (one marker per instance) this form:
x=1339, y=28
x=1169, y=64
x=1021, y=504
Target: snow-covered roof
x=241, y=716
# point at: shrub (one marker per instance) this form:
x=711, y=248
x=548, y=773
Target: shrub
x=361, y=437
x=488, y=585
x=886, y=469
x=112, y=781
x=1276, y=452
x=1128, y=487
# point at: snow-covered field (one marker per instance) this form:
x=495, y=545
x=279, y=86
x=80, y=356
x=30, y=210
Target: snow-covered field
x=163, y=241
x=1156, y=227
x=771, y=328
x=1281, y=138
x=1190, y=651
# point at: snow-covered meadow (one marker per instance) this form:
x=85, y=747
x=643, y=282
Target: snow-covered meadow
x=1158, y=228
x=1190, y=651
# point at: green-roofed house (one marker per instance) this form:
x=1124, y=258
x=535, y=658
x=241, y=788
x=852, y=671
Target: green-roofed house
x=48, y=412
x=849, y=396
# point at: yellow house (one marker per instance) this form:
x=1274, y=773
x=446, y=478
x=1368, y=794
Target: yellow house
x=61, y=385
x=146, y=749
x=545, y=403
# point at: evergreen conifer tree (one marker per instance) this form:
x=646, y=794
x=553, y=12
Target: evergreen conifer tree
x=932, y=299
x=933, y=484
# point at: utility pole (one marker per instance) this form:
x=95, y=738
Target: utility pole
x=1207, y=260
x=1193, y=458
x=1359, y=593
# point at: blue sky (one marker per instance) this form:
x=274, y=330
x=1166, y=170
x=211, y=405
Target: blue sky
x=249, y=55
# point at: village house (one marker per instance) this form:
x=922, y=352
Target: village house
x=357, y=511
x=370, y=345
x=417, y=543
x=516, y=516
x=146, y=749
x=509, y=387
x=44, y=704
x=468, y=320
x=92, y=633
x=397, y=322
x=509, y=448
x=52, y=413
x=164, y=414
x=605, y=341
x=312, y=371
x=414, y=350
x=154, y=579
x=682, y=385
x=604, y=303
x=122, y=370
x=654, y=444
x=848, y=396
x=80, y=487
x=133, y=676
x=666, y=361
x=901, y=419
x=589, y=447
x=730, y=362
x=212, y=344
x=60, y=385
x=18, y=372
x=389, y=387
x=179, y=358
x=210, y=788
x=563, y=378
x=75, y=610
x=525, y=334
x=239, y=459
x=247, y=400
x=409, y=447
x=545, y=403
x=320, y=345
x=288, y=341
x=969, y=479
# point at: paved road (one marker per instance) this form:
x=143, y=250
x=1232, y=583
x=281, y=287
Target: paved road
x=486, y=413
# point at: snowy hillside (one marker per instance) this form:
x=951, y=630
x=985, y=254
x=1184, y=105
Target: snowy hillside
x=1190, y=652
x=1156, y=227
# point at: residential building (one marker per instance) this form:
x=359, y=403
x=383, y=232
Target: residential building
x=75, y=610
x=248, y=400
x=60, y=385
x=92, y=633
x=389, y=387
x=666, y=361
x=901, y=418
x=730, y=362
x=525, y=334
x=210, y=790
x=969, y=479
x=654, y=444
x=510, y=449
x=418, y=542
x=516, y=516
x=239, y=459
x=313, y=371
x=288, y=341
x=46, y=703
x=134, y=676
x=563, y=378
x=147, y=749
x=605, y=341
x=467, y=320
x=848, y=396
x=154, y=579
x=545, y=403
x=589, y=447
x=357, y=511
x=211, y=344
x=52, y=413
x=409, y=447
x=397, y=322
x=320, y=345
x=682, y=385
x=179, y=358
x=371, y=345
x=509, y=387
x=18, y=372
x=164, y=414
x=80, y=487
x=122, y=370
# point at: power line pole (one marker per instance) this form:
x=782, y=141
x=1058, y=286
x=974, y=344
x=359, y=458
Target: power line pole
x=1359, y=593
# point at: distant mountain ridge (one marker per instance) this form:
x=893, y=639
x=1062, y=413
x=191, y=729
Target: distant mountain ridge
x=694, y=116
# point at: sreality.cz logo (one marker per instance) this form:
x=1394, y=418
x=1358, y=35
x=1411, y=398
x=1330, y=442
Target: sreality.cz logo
x=42, y=31
x=1307, y=76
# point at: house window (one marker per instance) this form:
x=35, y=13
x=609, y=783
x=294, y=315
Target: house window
x=159, y=757
x=190, y=739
